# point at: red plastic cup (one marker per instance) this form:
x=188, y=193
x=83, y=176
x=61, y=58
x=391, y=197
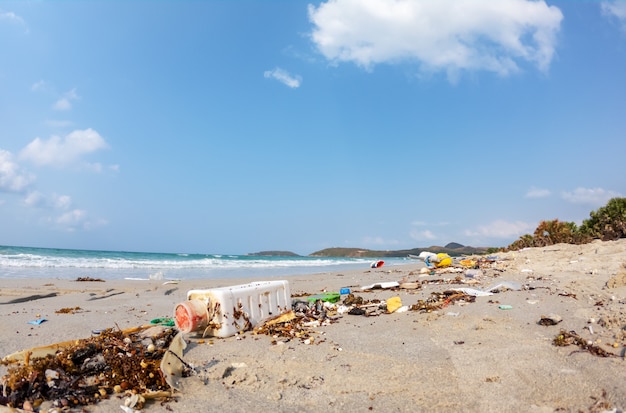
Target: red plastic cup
x=191, y=316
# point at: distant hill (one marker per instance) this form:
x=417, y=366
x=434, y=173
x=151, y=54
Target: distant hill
x=453, y=249
x=454, y=246
x=273, y=254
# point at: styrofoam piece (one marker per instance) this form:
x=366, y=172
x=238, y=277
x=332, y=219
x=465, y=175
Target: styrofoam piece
x=382, y=285
x=225, y=311
x=473, y=291
x=505, y=285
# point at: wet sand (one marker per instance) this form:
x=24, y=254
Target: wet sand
x=490, y=355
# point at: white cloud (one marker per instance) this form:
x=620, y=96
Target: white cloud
x=12, y=179
x=378, y=241
x=61, y=201
x=501, y=229
x=284, y=77
x=534, y=192
x=38, y=85
x=62, y=104
x=72, y=219
x=58, y=151
x=65, y=102
x=13, y=18
x=445, y=36
x=590, y=196
x=78, y=219
x=36, y=199
x=419, y=234
x=615, y=9
x=422, y=235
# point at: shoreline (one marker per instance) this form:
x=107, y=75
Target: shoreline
x=467, y=356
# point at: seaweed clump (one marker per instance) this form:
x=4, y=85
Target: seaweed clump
x=89, y=370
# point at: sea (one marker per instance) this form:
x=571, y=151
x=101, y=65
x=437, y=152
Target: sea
x=37, y=263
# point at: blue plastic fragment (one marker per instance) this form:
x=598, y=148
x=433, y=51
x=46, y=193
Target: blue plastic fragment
x=37, y=321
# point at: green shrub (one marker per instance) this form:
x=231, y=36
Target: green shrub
x=607, y=223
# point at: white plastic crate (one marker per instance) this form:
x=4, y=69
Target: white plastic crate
x=225, y=311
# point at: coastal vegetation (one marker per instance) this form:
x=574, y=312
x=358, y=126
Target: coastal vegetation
x=606, y=223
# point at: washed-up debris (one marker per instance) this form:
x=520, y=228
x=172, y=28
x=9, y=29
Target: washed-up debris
x=89, y=279
x=331, y=297
x=566, y=338
x=68, y=310
x=474, y=292
x=172, y=365
x=437, y=301
x=352, y=299
x=37, y=321
x=83, y=372
x=393, y=304
x=550, y=320
x=440, y=281
x=381, y=285
x=469, y=263
x=474, y=273
x=228, y=311
x=500, y=287
x=291, y=325
x=440, y=260
x=504, y=286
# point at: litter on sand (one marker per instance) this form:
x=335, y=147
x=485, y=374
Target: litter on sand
x=473, y=291
x=381, y=285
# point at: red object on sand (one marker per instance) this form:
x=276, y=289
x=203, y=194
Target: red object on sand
x=377, y=264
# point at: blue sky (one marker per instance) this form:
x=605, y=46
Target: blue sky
x=240, y=126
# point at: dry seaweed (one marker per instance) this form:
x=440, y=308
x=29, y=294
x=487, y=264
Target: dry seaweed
x=88, y=370
x=297, y=323
x=566, y=338
x=68, y=310
x=287, y=326
x=89, y=279
x=439, y=300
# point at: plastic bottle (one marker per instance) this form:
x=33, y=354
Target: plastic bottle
x=225, y=311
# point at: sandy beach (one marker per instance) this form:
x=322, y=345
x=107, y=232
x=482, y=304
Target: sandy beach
x=485, y=354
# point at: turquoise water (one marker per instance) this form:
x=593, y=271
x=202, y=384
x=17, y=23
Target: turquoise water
x=26, y=262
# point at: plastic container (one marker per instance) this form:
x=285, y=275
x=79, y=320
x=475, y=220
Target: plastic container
x=331, y=297
x=225, y=311
x=473, y=274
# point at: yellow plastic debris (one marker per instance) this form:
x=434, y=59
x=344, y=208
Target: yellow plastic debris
x=281, y=318
x=468, y=263
x=444, y=260
x=393, y=304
